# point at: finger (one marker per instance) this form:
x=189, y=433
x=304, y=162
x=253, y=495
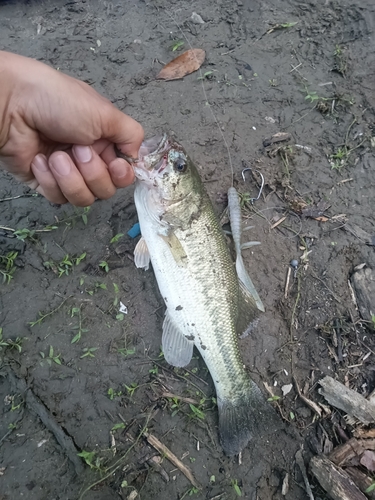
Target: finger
x=94, y=171
x=69, y=180
x=121, y=172
x=121, y=129
x=44, y=182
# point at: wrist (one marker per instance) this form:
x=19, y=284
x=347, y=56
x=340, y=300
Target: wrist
x=7, y=84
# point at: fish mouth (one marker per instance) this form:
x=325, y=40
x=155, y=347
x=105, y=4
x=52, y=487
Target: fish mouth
x=152, y=158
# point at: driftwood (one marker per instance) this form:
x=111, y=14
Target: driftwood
x=336, y=482
x=363, y=282
x=347, y=400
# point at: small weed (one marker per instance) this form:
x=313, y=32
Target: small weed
x=116, y=299
x=112, y=394
x=51, y=356
x=176, y=406
x=88, y=352
x=116, y=427
x=104, y=266
x=66, y=265
x=208, y=75
x=196, y=412
x=23, y=234
x=237, y=489
x=84, y=215
x=273, y=398
x=131, y=388
x=341, y=62
x=43, y=316
x=154, y=371
x=91, y=461
x=339, y=159
x=177, y=45
x=79, y=214
x=9, y=343
x=124, y=351
x=370, y=488
x=77, y=311
x=192, y=459
x=116, y=238
x=7, y=266
x=273, y=82
x=97, y=286
x=190, y=492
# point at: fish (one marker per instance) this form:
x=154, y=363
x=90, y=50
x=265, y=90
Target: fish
x=207, y=305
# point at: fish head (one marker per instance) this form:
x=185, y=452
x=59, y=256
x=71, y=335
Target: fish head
x=168, y=173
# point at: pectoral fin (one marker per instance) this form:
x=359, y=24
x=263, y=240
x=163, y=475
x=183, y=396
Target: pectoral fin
x=177, y=349
x=142, y=255
x=176, y=248
x=248, y=311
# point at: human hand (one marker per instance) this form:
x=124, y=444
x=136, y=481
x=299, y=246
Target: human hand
x=58, y=135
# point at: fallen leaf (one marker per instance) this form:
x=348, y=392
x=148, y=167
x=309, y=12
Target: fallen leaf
x=322, y=218
x=183, y=65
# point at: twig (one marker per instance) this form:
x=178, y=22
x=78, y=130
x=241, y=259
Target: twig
x=33, y=195
x=32, y=402
x=301, y=465
x=287, y=282
x=185, y=400
x=163, y=450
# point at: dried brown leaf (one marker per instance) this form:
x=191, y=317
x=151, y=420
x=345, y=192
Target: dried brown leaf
x=183, y=65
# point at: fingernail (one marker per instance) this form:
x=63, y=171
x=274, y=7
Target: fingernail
x=40, y=163
x=61, y=164
x=119, y=168
x=82, y=154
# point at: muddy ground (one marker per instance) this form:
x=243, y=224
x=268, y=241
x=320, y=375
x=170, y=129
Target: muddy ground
x=96, y=375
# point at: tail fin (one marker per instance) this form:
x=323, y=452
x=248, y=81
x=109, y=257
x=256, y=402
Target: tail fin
x=246, y=280
x=240, y=420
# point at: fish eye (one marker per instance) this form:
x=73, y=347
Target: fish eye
x=180, y=165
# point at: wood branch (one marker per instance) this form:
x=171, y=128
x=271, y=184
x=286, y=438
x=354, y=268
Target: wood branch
x=163, y=450
x=347, y=400
x=336, y=482
x=363, y=282
x=361, y=480
x=344, y=453
x=307, y=401
x=364, y=433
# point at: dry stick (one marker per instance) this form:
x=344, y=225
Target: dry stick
x=164, y=451
x=301, y=465
x=33, y=404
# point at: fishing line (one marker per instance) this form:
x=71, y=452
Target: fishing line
x=201, y=77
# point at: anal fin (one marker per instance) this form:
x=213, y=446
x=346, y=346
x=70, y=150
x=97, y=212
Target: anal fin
x=177, y=349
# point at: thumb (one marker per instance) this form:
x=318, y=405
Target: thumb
x=122, y=130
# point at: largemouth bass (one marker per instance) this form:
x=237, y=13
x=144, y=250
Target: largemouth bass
x=207, y=304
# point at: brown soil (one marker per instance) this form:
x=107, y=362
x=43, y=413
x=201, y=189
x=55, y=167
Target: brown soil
x=314, y=79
